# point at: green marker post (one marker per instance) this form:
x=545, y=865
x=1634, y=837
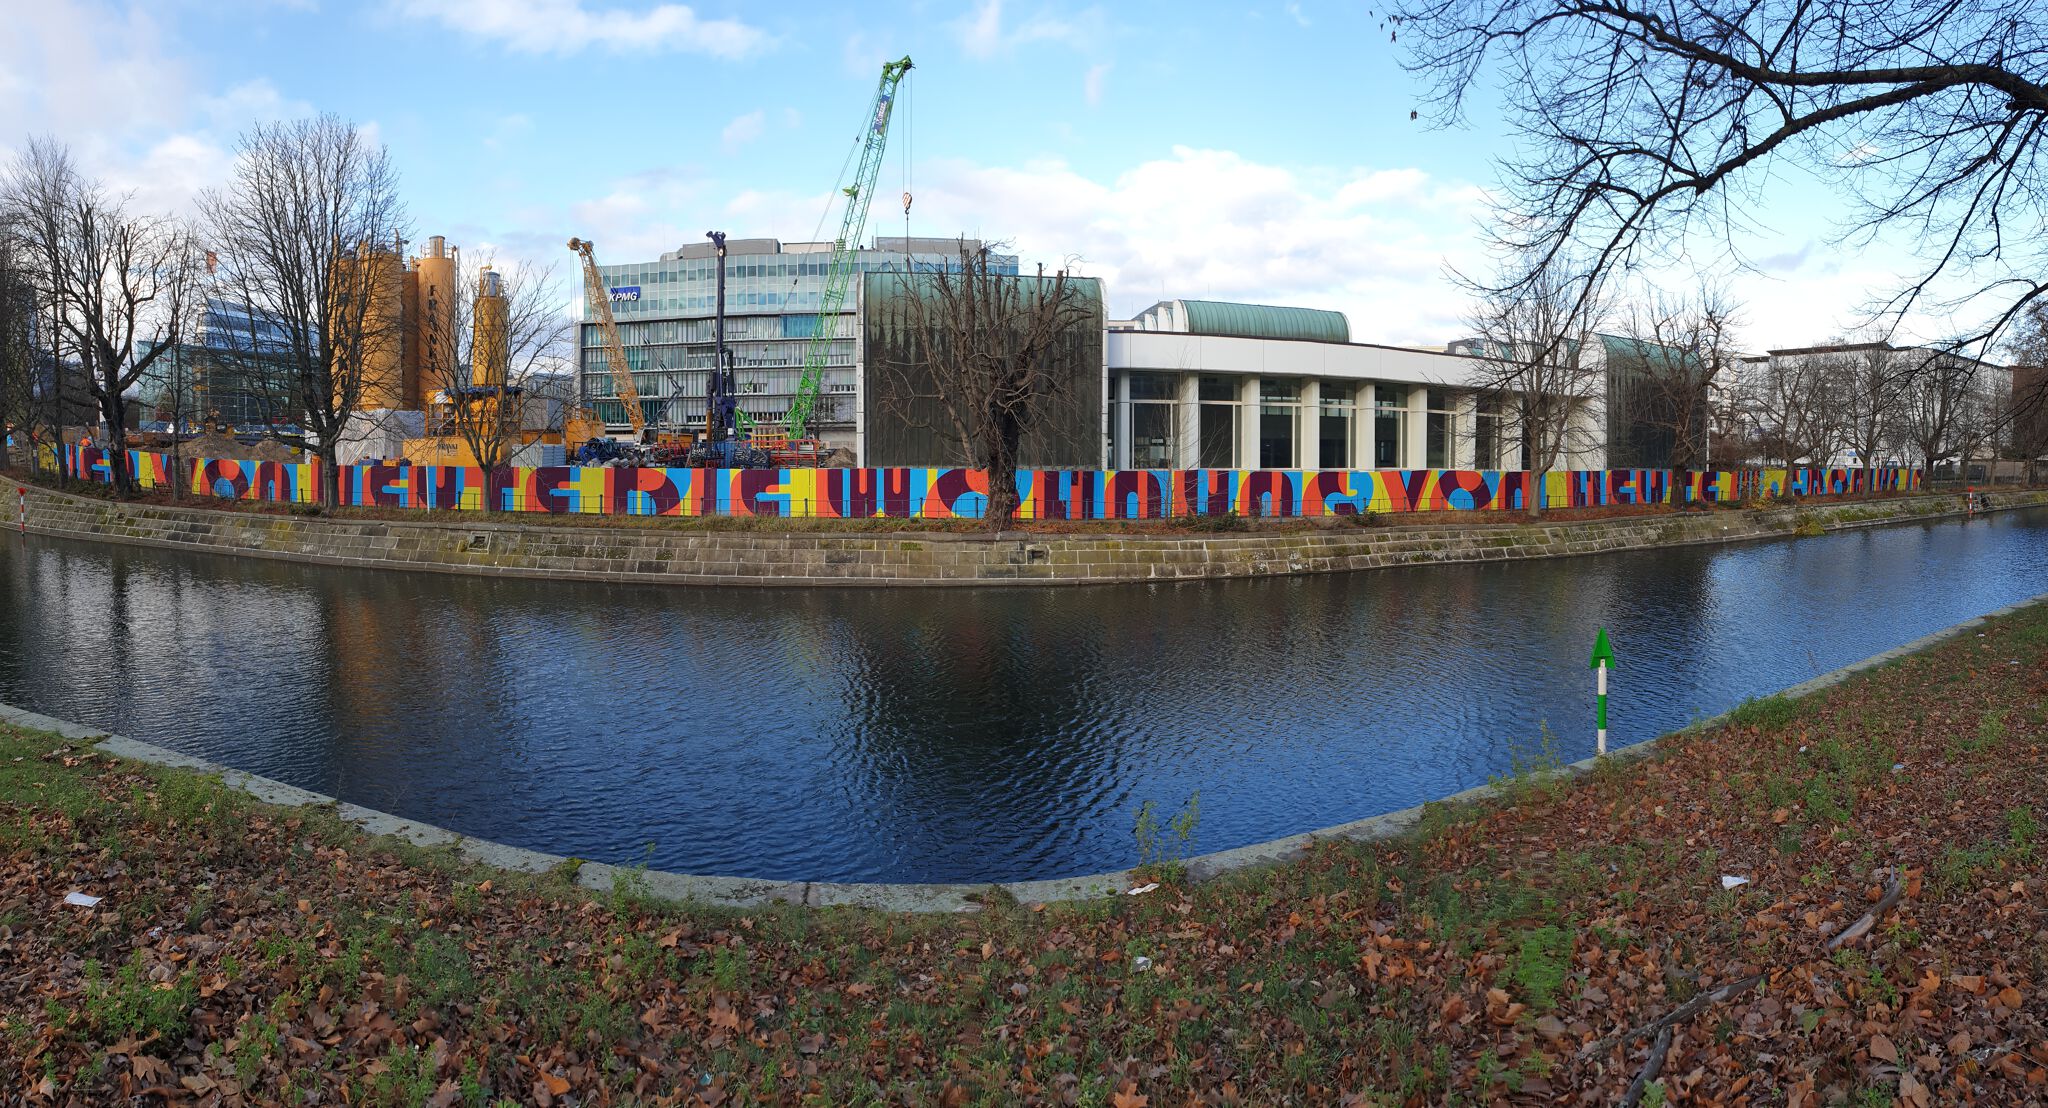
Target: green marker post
x=1603, y=657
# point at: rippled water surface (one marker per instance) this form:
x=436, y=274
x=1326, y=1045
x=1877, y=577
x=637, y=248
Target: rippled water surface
x=915, y=735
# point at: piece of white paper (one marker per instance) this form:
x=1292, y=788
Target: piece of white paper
x=1142, y=889
x=1729, y=882
x=80, y=899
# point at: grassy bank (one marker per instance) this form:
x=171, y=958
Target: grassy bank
x=245, y=954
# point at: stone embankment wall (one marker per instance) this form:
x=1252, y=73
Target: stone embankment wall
x=767, y=557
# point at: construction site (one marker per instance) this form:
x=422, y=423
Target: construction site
x=435, y=384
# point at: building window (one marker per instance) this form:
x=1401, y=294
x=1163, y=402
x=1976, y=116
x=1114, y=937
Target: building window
x=1441, y=427
x=1153, y=441
x=1279, y=422
x=1390, y=427
x=1334, y=427
x=1218, y=418
x=1486, y=434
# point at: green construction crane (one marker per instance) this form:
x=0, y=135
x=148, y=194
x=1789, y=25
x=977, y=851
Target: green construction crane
x=840, y=276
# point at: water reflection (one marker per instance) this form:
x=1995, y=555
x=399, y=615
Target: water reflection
x=944, y=735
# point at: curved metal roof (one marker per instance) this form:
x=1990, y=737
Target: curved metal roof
x=1265, y=321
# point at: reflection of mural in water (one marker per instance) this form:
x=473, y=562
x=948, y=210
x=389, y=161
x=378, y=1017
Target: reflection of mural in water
x=910, y=493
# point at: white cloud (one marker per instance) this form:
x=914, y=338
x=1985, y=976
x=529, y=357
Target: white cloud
x=1199, y=223
x=1294, y=10
x=983, y=33
x=1091, y=85
x=569, y=26
x=743, y=130
x=78, y=68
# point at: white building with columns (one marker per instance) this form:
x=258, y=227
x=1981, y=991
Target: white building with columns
x=1198, y=384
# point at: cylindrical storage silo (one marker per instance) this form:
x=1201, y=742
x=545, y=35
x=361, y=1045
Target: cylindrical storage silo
x=438, y=356
x=490, y=353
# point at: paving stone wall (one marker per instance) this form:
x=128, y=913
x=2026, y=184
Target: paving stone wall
x=764, y=557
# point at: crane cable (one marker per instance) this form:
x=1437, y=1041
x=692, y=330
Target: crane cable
x=838, y=190
x=909, y=138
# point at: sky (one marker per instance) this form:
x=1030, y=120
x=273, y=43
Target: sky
x=1252, y=150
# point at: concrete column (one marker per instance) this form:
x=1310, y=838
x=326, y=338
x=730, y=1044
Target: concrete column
x=1187, y=423
x=1417, y=419
x=1122, y=413
x=1364, y=426
x=1248, y=423
x=1465, y=445
x=1308, y=450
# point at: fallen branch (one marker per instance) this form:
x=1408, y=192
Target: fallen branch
x=1895, y=890
x=1652, y=1066
x=1892, y=894
x=1679, y=1014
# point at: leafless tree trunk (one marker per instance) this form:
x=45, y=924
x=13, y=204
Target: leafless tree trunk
x=498, y=348
x=1537, y=359
x=308, y=233
x=1650, y=129
x=116, y=276
x=989, y=362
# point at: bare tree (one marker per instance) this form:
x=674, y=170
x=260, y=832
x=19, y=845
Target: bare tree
x=19, y=410
x=1794, y=405
x=2027, y=410
x=992, y=354
x=1677, y=349
x=1871, y=382
x=308, y=235
x=1648, y=127
x=509, y=329
x=1940, y=400
x=1537, y=363
x=120, y=282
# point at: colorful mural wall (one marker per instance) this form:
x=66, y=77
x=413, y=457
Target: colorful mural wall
x=908, y=493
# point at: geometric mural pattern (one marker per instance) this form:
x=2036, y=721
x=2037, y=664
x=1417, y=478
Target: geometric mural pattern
x=948, y=493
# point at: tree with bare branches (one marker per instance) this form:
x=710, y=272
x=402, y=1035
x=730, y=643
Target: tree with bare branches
x=1645, y=128
x=120, y=282
x=2026, y=420
x=988, y=357
x=1538, y=363
x=1793, y=405
x=1676, y=349
x=509, y=329
x=1871, y=380
x=307, y=233
x=20, y=413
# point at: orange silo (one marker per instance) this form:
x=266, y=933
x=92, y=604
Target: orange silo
x=435, y=356
x=373, y=276
x=490, y=353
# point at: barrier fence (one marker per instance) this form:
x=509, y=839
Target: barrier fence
x=952, y=493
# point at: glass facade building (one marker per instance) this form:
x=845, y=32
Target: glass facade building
x=773, y=290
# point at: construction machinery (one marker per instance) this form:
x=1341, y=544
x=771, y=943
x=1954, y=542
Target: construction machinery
x=839, y=276
x=583, y=426
x=722, y=446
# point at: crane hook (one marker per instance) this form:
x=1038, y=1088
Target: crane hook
x=906, y=203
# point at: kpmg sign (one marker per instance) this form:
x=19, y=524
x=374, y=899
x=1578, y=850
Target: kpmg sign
x=627, y=295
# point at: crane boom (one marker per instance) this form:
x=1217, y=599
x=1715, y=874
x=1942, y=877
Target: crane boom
x=840, y=275
x=600, y=301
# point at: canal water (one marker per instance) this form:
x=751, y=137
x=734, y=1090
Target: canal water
x=946, y=735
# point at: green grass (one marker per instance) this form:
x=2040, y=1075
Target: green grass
x=1764, y=712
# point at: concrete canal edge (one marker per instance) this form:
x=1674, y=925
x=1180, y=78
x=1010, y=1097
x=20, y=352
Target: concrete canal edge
x=741, y=892
x=500, y=546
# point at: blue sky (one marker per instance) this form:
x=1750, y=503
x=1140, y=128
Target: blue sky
x=1252, y=150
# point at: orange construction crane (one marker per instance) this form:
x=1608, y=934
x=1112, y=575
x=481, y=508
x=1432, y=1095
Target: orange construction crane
x=600, y=300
